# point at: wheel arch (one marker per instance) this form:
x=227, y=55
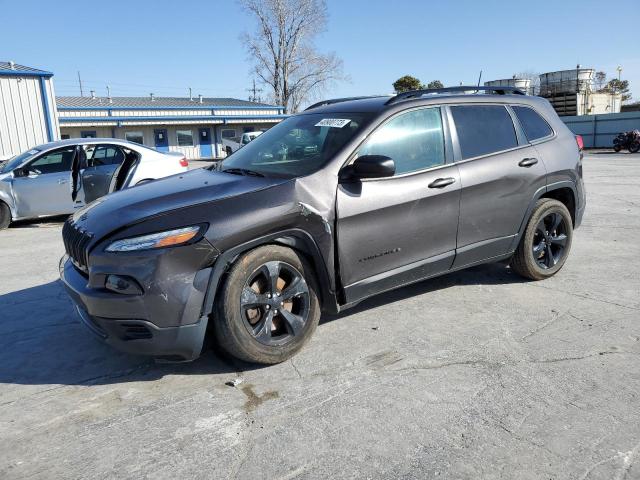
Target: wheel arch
x=297, y=240
x=563, y=191
x=565, y=195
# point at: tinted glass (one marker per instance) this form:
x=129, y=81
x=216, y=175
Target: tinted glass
x=298, y=146
x=104, y=155
x=414, y=140
x=17, y=160
x=54, y=162
x=483, y=129
x=534, y=125
x=185, y=138
x=135, y=137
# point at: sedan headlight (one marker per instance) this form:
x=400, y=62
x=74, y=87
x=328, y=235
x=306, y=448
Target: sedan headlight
x=170, y=238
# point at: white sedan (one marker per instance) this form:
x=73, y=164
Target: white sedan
x=59, y=177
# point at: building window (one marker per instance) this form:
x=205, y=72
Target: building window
x=228, y=133
x=185, y=138
x=135, y=137
x=88, y=134
x=64, y=136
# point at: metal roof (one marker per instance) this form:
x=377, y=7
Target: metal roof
x=156, y=103
x=9, y=68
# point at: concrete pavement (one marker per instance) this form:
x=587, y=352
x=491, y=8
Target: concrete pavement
x=477, y=374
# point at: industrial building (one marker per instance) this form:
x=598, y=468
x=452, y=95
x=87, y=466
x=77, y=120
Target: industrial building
x=571, y=92
x=27, y=109
x=198, y=127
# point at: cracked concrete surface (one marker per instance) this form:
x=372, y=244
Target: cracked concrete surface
x=477, y=374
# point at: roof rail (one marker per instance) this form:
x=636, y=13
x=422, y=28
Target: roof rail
x=418, y=93
x=338, y=100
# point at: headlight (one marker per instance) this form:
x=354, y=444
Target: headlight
x=170, y=238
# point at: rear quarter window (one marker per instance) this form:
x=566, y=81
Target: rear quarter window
x=483, y=129
x=534, y=126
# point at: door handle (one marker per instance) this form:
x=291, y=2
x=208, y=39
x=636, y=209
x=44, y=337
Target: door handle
x=61, y=181
x=442, y=182
x=528, y=162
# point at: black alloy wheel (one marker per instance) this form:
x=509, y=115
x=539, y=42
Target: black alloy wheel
x=275, y=303
x=549, y=240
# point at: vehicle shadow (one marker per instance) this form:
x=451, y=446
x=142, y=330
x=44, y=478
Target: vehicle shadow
x=40, y=222
x=42, y=342
x=488, y=274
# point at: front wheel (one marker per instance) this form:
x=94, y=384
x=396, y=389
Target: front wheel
x=617, y=147
x=546, y=242
x=634, y=147
x=5, y=216
x=269, y=307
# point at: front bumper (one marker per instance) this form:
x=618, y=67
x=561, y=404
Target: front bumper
x=166, y=321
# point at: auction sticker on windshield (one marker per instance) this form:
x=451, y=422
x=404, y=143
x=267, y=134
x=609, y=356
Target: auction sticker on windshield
x=333, y=122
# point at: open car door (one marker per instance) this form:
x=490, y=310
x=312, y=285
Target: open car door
x=107, y=167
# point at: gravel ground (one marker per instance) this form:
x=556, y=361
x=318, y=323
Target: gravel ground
x=477, y=374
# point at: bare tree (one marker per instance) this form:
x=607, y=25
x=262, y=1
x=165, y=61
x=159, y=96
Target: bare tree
x=283, y=51
x=533, y=77
x=600, y=81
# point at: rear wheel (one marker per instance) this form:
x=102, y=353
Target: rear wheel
x=269, y=306
x=634, y=147
x=546, y=242
x=5, y=215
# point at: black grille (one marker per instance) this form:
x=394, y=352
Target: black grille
x=76, y=242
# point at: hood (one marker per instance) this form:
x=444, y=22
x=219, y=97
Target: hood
x=134, y=204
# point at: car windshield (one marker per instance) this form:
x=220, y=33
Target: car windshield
x=298, y=146
x=16, y=161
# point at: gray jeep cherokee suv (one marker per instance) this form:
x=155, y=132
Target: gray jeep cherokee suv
x=350, y=198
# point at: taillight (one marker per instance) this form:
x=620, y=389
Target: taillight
x=184, y=162
x=580, y=143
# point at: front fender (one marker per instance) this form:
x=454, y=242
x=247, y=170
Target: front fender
x=6, y=195
x=295, y=238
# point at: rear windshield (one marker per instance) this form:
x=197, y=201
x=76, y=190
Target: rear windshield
x=297, y=146
x=16, y=161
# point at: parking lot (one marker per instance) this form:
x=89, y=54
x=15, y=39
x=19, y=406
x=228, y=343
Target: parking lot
x=477, y=374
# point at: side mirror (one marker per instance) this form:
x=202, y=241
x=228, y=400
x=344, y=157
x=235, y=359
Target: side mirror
x=369, y=166
x=21, y=172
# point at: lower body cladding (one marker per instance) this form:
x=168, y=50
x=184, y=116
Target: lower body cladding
x=159, y=312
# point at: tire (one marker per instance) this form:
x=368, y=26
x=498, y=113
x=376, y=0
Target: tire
x=250, y=298
x=634, y=147
x=617, y=148
x=5, y=215
x=228, y=151
x=541, y=255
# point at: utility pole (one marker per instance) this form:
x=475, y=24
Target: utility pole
x=80, y=82
x=254, y=92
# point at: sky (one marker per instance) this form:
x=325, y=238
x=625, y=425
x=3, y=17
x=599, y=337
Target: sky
x=165, y=47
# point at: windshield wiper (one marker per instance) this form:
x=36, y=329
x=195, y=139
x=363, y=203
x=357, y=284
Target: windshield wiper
x=243, y=171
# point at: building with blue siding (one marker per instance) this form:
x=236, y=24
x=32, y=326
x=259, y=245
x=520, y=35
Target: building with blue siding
x=198, y=127
x=27, y=108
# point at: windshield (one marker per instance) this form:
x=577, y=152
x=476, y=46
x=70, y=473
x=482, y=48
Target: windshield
x=298, y=146
x=16, y=161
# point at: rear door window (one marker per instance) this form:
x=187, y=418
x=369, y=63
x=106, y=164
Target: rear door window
x=105, y=155
x=534, y=126
x=483, y=129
